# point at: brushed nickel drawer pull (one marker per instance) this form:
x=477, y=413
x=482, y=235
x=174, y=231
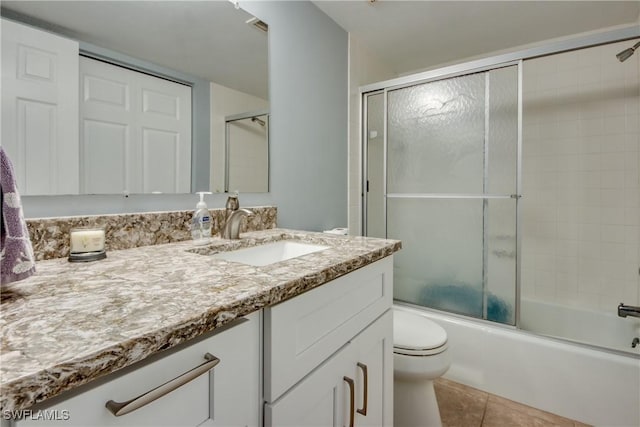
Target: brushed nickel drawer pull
x=352, y=394
x=365, y=398
x=122, y=408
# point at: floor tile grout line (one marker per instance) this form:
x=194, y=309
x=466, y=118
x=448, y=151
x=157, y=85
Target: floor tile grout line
x=484, y=412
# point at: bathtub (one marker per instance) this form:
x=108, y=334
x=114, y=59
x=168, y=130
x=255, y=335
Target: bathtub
x=585, y=326
x=572, y=380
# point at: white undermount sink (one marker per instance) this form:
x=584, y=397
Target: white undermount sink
x=270, y=253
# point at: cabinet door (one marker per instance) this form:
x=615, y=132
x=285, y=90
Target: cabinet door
x=321, y=399
x=372, y=367
x=40, y=109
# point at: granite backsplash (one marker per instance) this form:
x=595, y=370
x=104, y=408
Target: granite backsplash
x=50, y=236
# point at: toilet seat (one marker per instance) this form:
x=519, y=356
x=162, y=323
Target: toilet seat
x=420, y=352
x=415, y=335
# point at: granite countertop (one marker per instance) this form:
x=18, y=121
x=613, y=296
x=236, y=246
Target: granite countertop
x=74, y=322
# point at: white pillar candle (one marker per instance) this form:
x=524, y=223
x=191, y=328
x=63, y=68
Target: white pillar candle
x=87, y=240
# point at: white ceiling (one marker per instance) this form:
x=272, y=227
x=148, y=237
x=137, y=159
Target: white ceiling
x=211, y=40
x=414, y=35
x=208, y=39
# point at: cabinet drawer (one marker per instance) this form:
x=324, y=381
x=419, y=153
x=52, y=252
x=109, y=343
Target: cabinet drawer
x=189, y=405
x=303, y=332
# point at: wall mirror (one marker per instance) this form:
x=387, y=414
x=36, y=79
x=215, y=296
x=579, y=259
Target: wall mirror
x=217, y=51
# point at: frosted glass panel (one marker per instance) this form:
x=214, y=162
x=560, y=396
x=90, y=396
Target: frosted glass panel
x=450, y=246
x=452, y=150
x=500, y=262
x=375, y=165
x=440, y=264
x=502, y=131
x=436, y=137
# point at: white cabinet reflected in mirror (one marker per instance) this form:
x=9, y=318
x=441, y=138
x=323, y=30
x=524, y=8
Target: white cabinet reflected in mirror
x=208, y=48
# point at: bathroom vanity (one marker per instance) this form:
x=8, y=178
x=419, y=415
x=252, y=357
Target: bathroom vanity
x=303, y=341
x=329, y=353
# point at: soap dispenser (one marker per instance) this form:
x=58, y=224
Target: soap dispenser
x=201, y=222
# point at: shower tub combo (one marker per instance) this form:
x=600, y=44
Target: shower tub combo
x=577, y=381
x=520, y=254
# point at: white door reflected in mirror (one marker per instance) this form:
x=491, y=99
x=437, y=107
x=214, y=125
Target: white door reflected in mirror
x=216, y=49
x=134, y=128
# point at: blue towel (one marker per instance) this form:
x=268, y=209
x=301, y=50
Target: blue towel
x=16, y=253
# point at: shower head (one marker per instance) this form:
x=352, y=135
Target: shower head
x=625, y=54
x=259, y=24
x=260, y=122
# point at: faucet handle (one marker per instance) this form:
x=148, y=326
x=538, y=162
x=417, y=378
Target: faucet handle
x=233, y=203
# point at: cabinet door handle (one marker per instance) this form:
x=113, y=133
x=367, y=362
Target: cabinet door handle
x=352, y=394
x=122, y=408
x=365, y=399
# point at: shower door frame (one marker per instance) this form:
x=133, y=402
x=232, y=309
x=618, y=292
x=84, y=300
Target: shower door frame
x=485, y=197
x=457, y=70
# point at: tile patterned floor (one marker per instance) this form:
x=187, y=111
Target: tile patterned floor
x=462, y=406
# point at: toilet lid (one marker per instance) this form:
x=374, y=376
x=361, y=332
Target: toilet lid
x=416, y=333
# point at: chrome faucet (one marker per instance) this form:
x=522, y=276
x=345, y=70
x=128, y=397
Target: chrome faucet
x=628, y=310
x=233, y=218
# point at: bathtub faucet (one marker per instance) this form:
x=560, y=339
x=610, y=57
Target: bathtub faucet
x=628, y=310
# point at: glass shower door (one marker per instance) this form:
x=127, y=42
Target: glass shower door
x=374, y=152
x=451, y=193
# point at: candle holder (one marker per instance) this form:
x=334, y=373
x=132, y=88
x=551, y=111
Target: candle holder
x=87, y=244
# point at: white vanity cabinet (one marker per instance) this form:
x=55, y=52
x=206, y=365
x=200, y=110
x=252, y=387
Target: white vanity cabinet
x=322, y=358
x=328, y=353
x=352, y=388
x=228, y=395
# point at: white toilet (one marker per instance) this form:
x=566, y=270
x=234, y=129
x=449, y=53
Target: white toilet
x=420, y=356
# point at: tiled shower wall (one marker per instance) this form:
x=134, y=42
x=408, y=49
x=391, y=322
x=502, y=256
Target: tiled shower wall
x=581, y=191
